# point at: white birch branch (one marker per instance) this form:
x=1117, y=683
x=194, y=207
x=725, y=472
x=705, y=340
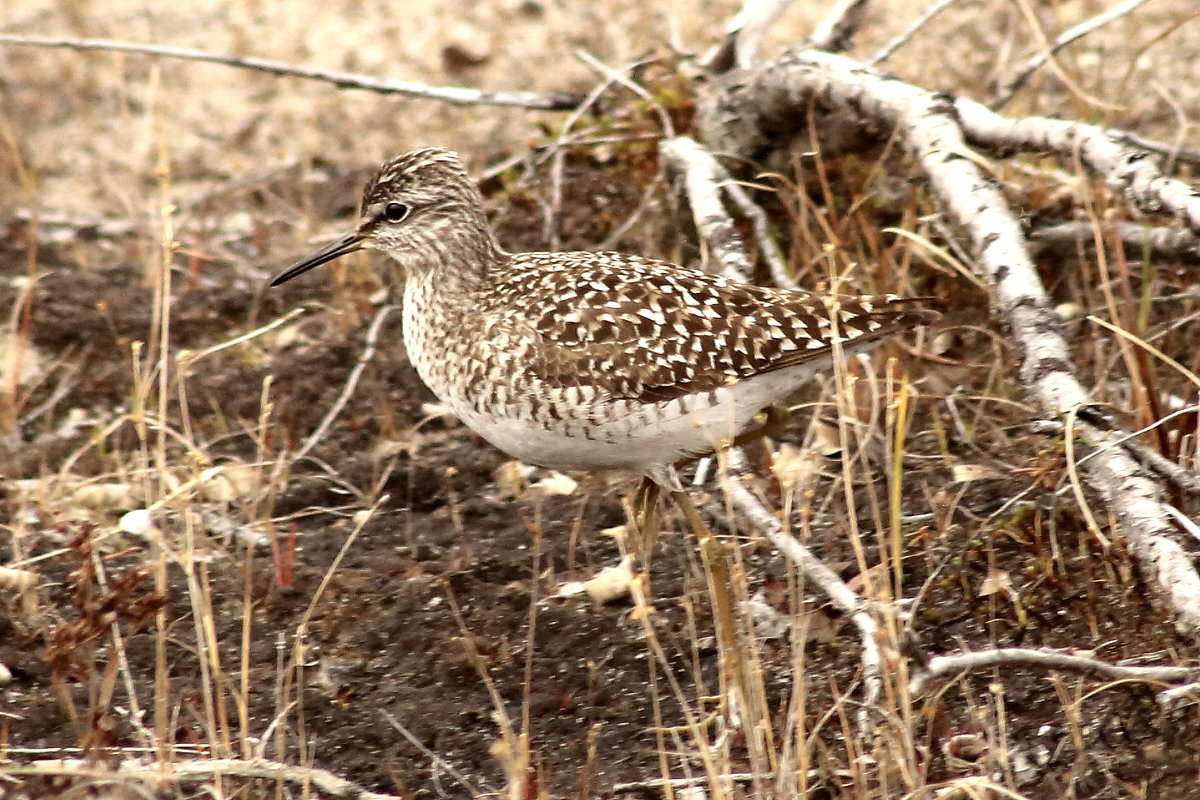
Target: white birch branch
x=154, y=774
x=742, y=36
x=753, y=111
x=836, y=31
x=950, y=666
x=1125, y=168
x=844, y=598
x=702, y=181
x=704, y=177
x=1074, y=239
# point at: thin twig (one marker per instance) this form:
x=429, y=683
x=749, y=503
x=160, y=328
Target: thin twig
x=351, y=382
x=68, y=379
x=457, y=95
x=620, y=230
x=836, y=31
x=187, y=358
x=1008, y=90
x=437, y=760
x=885, y=52
x=664, y=118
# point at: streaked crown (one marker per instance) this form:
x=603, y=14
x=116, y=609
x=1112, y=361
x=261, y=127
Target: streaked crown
x=426, y=176
x=424, y=210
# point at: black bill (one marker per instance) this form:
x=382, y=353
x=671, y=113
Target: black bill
x=335, y=249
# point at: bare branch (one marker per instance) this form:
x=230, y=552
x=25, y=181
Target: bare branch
x=457, y=95
x=657, y=785
x=1075, y=33
x=747, y=116
x=836, y=31
x=908, y=33
x=813, y=569
x=619, y=76
x=780, y=275
x=1071, y=239
x=1174, y=153
x=1153, y=461
x=701, y=175
x=437, y=760
x=1126, y=169
x=949, y=666
x=742, y=36
x=1179, y=694
x=704, y=176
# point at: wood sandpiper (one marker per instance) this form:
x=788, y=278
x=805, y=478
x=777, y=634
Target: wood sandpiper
x=591, y=361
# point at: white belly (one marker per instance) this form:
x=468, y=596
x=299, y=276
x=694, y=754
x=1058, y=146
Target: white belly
x=621, y=435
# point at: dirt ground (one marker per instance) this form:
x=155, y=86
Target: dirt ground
x=437, y=619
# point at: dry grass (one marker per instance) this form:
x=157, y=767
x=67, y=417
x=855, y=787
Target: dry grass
x=176, y=633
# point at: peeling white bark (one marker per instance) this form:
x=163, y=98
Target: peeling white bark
x=1070, y=239
x=702, y=177
x=755, y=111
x=743, y=34
x=1126, y=169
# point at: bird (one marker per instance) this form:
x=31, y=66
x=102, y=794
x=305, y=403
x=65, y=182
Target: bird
x=592, y=361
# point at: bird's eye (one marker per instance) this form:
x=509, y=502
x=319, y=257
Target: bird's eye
x=395, y=212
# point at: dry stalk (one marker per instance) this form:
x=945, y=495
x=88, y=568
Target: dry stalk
x=812, y=568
